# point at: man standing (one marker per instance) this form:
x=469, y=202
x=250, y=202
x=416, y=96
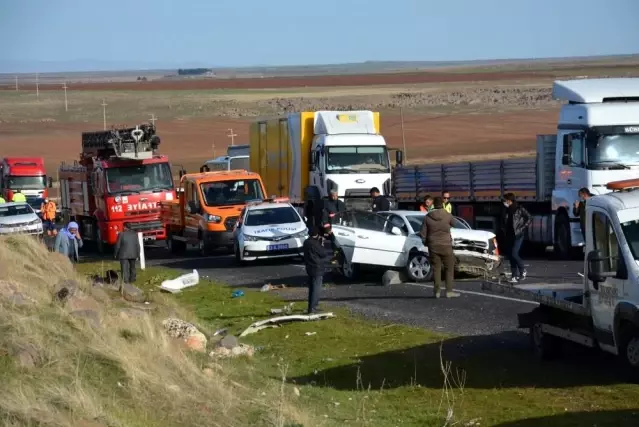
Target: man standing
x=127, y=250
x=380, y=203
x=427, y=206
x=332, y=207
x=314, y=255
x=579, y=210
x=516, y=222
x=436, y=235
x=447, y=205
x=18, y=196
x=48, y=211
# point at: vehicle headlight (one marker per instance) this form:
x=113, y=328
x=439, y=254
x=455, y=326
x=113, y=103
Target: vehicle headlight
x=35, y=222
x=302, y=234
x=249, y=238
x=213, y=218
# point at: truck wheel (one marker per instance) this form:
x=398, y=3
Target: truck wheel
x=418, y=267
x=174, y=246
x=562, y=243
x=99, y=244
x=629, y=347
x=545, y=346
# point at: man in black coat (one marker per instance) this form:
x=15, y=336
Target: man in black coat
x=332, y=207
x=380, y=203
x=314, y=256
x=127, y=250
x=516, y=222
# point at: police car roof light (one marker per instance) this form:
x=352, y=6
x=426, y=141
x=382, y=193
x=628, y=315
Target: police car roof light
x=626, y=184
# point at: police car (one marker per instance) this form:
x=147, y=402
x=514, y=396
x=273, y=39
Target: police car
x=269, y=229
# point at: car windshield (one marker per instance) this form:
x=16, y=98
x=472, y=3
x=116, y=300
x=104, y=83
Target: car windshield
x=231, y=192
x=6, y=211
x=271, y=216
x=631, y=233
x=139, y=178
x=613, y=149
x=416, y=221
x=359, y=159
x=27, y=182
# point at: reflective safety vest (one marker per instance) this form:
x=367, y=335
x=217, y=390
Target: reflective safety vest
x=48, y=211
x=19, y=197
x=448, y=207
x=2, y=200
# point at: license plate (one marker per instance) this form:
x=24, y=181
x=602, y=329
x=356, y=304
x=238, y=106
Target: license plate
x=276, y=247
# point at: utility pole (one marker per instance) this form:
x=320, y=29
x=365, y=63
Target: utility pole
x=37, y=87
x=153, y=119
x=232, y=136
x=17, y=83
x=213, y=147
x=66, y=101
x=401, y=117
x=104, y=105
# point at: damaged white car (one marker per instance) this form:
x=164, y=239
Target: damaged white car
x=390, y=240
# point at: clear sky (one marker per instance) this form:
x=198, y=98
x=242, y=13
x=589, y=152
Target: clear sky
x=174, y=33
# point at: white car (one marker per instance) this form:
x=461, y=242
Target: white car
x=270, y=229
x=19, y=218
x=390, y=239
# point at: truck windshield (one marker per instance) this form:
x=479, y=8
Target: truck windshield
x=27, y=182
x=631, y=233
x=620, y=149
x=231, y=192
x=358, y=159
x=139, y=178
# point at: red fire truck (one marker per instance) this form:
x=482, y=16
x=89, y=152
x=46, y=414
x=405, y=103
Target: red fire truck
x=26, y=174
x=119, y=179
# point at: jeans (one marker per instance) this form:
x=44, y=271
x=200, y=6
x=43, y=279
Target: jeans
x=127, y=268
x=314, y=287
x=516, y=263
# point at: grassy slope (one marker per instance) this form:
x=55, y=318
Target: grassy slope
x=353, y=372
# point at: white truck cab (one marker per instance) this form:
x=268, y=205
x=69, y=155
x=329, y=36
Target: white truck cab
x=603, y=310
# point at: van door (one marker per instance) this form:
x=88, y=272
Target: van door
x=191, y=219
x=603, y=299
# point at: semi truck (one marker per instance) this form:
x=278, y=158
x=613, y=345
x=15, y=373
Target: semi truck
x=226, y=163
x=120, y=179
x=597, y=141
x=28, y=175
x=601, y=311
x=305, y=155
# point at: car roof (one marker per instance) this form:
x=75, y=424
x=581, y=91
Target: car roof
x=16, y=204
x=404, y=212
x=268, y=205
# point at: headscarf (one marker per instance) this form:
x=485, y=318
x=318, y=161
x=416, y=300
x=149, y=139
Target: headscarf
x=65, y=231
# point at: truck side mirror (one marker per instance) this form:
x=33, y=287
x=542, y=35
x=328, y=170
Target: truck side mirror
x=566, y=158
x=50, y=183
x=313, y=160
x=597, y=268
x=399, y=157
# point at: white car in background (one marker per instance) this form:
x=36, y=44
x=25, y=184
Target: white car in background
x=19, y=218
x=269, y=229
x=390, y=239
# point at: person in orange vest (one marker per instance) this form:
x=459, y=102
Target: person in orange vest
x=427, y=206
x=48, y=209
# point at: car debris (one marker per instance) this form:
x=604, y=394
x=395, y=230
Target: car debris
x=268, y=287
x=181, y=282
x=310, y=334
x=288, y=309
x=275, y=322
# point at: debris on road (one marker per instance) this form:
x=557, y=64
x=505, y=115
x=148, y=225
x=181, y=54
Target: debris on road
x=238, y=293
x=268, y=287
x=276, y=321
x=182, y=282
x=220, y=332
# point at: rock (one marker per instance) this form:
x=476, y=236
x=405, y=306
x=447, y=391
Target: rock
x=132, y=293
x=192, y=337
x=208, y=372
x=391, y=277
x=27, y=356
x=229, y=341
x=92, y=317
x=80, y=302
x=241, y=350
x=65, y=289
x=196, y=342
x=130, y=313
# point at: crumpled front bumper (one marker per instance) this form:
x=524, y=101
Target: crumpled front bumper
x=476, y=263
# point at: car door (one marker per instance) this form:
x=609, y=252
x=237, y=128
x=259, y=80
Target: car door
x=604, y=296
x=374, y=243
x=344, y=231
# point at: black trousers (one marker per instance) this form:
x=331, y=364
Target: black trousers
x=315, y=280
x=127, y=269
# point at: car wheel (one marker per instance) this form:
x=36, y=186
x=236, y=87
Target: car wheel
x=348, y=269
x=418, y=267
x=238, y=256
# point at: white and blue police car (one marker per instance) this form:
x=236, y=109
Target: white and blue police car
x=269, y=229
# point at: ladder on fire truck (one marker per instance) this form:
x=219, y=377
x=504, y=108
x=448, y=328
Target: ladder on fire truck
x=135, y=143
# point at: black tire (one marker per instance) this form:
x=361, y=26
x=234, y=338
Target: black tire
x=176, y=247
x=236, y=251
x=562, y=244
x=348, y=271
x=203, y=248
x=418, y=268
x=629, y=348
x=545, y=347
x=100, y=246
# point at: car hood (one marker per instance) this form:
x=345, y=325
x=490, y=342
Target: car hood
x=18, y=219
x=277, y=230
x=482, y=235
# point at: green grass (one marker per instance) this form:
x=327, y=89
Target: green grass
x=356, y=372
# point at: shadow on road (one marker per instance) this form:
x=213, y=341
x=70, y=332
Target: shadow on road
x=501, y=360
x=618, y=418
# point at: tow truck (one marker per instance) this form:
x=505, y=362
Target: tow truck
x=120, y=179
x=603, y=310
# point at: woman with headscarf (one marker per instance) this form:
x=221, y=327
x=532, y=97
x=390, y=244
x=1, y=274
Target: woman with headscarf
x=68, y=242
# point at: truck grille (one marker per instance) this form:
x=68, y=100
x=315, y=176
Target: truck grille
x=145, y=226
x=229, y=222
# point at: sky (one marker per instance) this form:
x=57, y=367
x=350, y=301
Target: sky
x=45, y=35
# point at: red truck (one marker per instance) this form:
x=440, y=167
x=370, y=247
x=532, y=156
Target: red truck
x=26, y=174
x=119, y=179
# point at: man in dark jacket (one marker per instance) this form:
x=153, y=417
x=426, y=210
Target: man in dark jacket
x=517, y=220
x=332, y=207
x=127, y=250
x=380, y=203
x=579, y=210
x=436, y=236
x=314, y=255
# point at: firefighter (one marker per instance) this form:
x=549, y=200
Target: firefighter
x=48, y=211
x=18, y=197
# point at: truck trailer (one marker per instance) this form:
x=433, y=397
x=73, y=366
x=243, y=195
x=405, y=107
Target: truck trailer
x=305, y=155
x=597, y=142
x=120, y=179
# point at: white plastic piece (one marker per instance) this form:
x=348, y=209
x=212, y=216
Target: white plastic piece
x=182, y=282
x=142, y=257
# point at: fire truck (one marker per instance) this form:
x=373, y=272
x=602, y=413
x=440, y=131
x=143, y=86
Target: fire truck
x=26, y=174
x=120, y=179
